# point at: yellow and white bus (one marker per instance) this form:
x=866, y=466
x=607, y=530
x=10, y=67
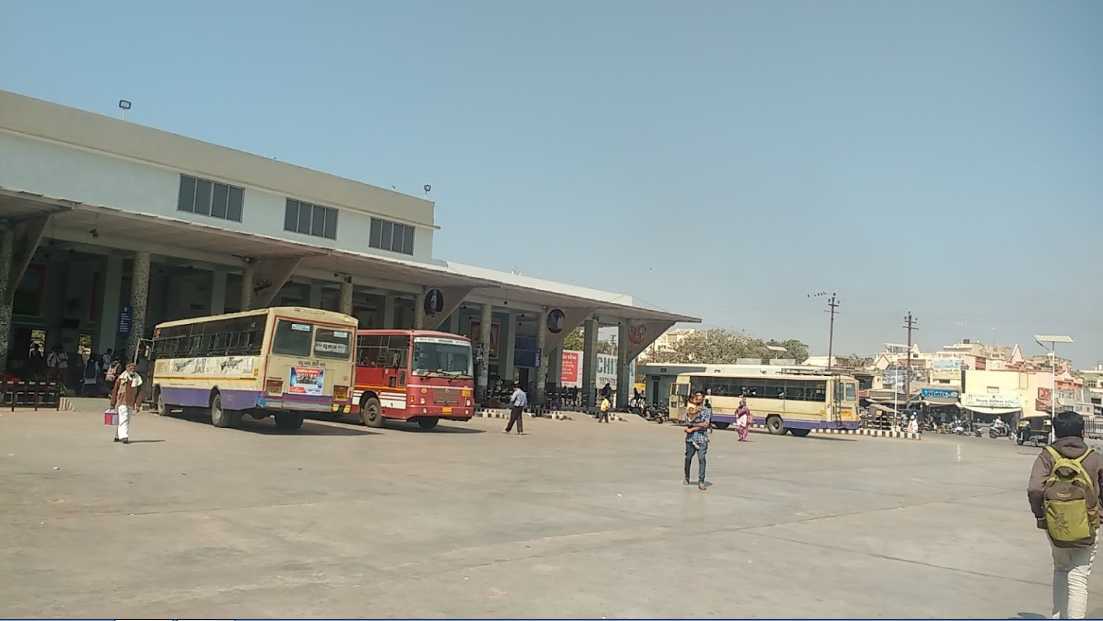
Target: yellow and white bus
x=784, y=400
x=280, y=361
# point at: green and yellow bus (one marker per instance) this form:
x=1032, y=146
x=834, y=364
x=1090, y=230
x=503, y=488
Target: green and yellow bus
x=784, y=400
x=282, y=361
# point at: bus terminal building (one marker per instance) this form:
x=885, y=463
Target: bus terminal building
x=109, y=228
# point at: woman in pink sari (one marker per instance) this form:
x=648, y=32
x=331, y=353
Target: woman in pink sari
x=743, y=419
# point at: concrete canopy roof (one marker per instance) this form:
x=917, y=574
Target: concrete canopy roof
x=123, y=229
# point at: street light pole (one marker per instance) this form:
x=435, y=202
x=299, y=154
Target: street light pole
x=1053, y=341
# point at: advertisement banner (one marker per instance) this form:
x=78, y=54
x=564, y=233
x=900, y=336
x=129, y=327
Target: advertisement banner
x=495, y=329
x=571, y=373
x=990, y=400
x=308, y=381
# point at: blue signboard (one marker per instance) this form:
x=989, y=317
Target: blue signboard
x=938, y=393
x=125, y=319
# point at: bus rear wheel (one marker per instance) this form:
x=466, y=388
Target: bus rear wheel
x=371, y=414
x=289, y=420
x=162, y=407
x=774, y=425
x=800, y=433
x=219, y=416
x=721, y=425
x=427, y=422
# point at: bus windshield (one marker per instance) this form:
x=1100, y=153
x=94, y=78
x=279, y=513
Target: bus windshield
x=442, y=356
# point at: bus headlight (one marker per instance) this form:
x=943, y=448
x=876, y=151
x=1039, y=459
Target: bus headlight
x=422, y=401
x=468, y=403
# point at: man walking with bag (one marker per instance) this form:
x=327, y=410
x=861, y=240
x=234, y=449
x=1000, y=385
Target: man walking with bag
x=124, y=398
x=1064, y=494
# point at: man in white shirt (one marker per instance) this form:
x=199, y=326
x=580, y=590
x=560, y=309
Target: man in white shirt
x=517, y=403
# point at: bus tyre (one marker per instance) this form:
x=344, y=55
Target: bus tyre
x=774, y=426
x=162, y=407
x=371, y=414
x=427, y=422
x=219, y=416
x=800, y=433
x=721, y=425
x=289, y=421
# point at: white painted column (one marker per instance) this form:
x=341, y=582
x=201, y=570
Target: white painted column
x=589, y=362
x=347, y=289
x=218, y=292
x=7, y=289
x=139, y=298
x=419, y=311
x=541, y=357
x=485, y=323
x=247, y=287
x=509, y=349
x=109, y=310
x=624, y=365
x=388, y=312
x=314, y=299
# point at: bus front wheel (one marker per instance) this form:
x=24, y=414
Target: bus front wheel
x=774, y=426
x=289, y=420
x=219, y=416
x=800, y=433
x=427, y=422
x=721, y=425
x=371, y=414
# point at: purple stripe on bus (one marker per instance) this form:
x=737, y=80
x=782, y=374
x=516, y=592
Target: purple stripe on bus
x=200, y=398
x=808, y=424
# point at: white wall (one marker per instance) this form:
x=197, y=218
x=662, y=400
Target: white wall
x=64, y=172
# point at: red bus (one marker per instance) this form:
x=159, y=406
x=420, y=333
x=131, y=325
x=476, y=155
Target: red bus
x=413, y=375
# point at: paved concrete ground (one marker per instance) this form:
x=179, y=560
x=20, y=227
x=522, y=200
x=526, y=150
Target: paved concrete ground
x=575, y=519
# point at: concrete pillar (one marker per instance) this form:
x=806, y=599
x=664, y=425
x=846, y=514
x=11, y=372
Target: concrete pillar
x=346, y=296
x=218, y=292
x=509, y=349
x=419, y=311
x=624, y=366
x=7, y=290
x=139, y=297
x=589, y=361
x=247, y=287
x=388, y=312
x=453, y=325
x=109, y=312
x=541, y=357
x=314, y=299
x=485, y=322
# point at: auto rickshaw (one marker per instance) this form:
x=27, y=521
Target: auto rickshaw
x=1034, y=429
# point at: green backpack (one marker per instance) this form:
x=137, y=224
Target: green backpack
x=1071, y=501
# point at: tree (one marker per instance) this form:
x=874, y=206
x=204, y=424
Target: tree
x=576, y=340
x=718, y=346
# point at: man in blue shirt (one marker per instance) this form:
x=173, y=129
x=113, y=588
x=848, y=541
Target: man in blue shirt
x=699, y=417
x=517, y=403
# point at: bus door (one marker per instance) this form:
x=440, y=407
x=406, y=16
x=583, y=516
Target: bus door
x=834, y=407
x=397, y=359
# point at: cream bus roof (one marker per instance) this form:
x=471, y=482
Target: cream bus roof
x=299, y=311
x=761, y=371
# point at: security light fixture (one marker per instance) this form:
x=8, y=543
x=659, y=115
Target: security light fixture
x=124, y=104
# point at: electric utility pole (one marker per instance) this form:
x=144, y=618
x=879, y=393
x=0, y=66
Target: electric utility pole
x=910, y=323
x=832, y=305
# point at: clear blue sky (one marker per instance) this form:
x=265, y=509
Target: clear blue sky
x=721, y=159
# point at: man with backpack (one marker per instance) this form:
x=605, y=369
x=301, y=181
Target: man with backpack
x=1064, y=494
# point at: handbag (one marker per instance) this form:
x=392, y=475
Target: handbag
x=110, y=417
